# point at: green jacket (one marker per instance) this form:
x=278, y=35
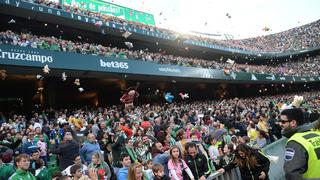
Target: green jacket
x=43, y=174
x=102, y=167
x=22, y=175
x=6, y=170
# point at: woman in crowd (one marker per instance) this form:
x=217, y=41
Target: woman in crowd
x=251, y=162
x=138, y=133
x=228, y=155
x=135, y=172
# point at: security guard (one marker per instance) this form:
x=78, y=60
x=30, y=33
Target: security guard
x=302, y=153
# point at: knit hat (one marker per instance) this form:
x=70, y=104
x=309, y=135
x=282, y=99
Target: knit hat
x=6, y=157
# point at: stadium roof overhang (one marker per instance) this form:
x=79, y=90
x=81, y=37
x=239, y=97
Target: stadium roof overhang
x=145, y=40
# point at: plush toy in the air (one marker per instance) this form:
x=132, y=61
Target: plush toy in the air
x=297, y=101
x=128, y=97
x=184, y=96
x=168, y=97
x=3, y=74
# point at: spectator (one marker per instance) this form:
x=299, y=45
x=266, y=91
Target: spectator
x=33, y=159
x=197, y=162
x=158, y=172
x=228, y=155
x=251, y=162
x=89, y=148
x=29, y=146
x=147, y=169
x=117, y=148
x=100, y=166
x=159, y=156
x=178, y=169
x=261, y=139
x=42, y=146
x=77, y=161
x=78, y=175
x=135, y=172
x=129, y=149
x=126, y=162
x=23, y=163
x=41, y=172
x=67, y=151
x=214, y=151
x=6, y=166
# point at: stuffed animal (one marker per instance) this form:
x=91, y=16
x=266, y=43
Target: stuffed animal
x=168, y=97
x=297, y=101
x=3, y=74
x=128, y=97
x=184, y=96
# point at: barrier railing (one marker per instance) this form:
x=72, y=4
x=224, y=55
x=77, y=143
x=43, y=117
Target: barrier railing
x=274, y=151
x=233, y=174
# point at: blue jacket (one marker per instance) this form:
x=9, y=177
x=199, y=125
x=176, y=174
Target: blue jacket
x=163, y=160
x=29, y=147
x=123, y=173
x=87, y=151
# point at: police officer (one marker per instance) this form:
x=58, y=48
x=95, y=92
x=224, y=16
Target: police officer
x=302, y=153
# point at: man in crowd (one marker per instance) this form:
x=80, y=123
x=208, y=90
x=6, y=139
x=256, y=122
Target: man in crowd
x=29, y=146
x=34, y=157
x=23, y=163
x=159, y=156
x=89, y=148
x=117, y=147
x=197, y=162
x=77, y=161
x=302, y=151
x=67, y=151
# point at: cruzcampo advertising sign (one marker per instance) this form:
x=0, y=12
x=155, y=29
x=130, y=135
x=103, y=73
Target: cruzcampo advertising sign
x=112, y=10
x=31, y=57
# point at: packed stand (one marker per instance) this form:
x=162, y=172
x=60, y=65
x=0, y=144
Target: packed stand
x=106, y=18
x=176, y=141
x=299, y=67
x=292, y=40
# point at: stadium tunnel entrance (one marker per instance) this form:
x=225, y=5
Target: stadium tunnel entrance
x=23, y=91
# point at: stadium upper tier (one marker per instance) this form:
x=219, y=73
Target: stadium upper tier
x=294, y=40
x=307, y=66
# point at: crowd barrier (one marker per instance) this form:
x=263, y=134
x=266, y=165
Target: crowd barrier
x=233, y=174
x=274, y=151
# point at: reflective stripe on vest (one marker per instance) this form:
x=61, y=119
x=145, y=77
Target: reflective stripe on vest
x=310, y=140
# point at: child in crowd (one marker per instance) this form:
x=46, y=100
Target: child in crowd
x=148, y=169
x=42, y=146
x=158, y=172
x=178, y=169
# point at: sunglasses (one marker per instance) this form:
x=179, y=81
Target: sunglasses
x=283, y=121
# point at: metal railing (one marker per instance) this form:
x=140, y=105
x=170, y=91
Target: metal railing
x=233, y=174
x=275, y=152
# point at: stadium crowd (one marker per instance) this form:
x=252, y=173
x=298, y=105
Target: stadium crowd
x=297, y=68
x=295, y=39
x=178, y=140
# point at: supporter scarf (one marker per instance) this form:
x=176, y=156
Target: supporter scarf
x=132, y=154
